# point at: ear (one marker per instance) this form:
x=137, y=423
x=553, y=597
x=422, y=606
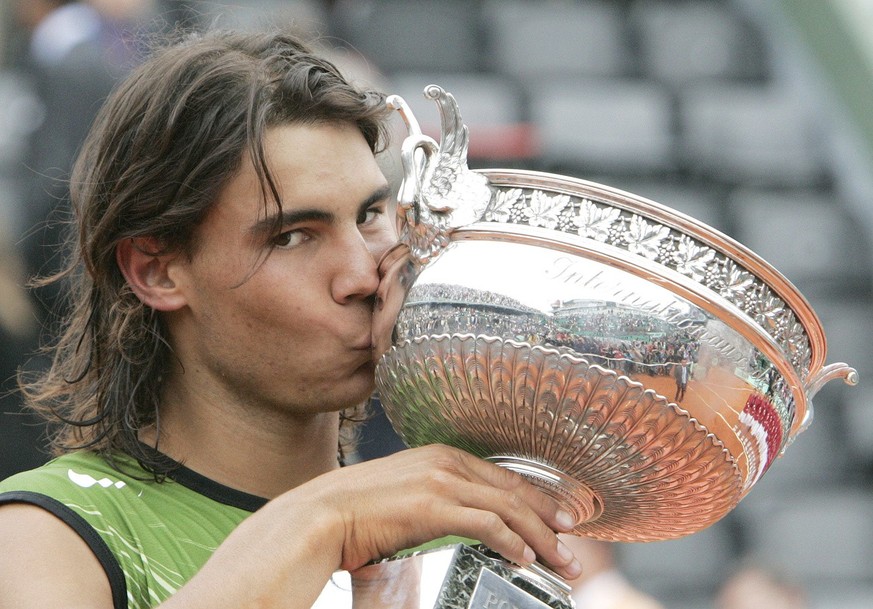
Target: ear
x=150, y=273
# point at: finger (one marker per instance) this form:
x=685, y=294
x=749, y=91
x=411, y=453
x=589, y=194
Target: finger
x=571, y=567
x=490, y=529
x=523, y=517
x=546, y=507
x=516, y=515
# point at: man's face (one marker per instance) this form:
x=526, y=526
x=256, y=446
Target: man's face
x=291, y=331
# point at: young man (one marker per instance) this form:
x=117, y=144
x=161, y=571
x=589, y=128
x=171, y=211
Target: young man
x=230, y=216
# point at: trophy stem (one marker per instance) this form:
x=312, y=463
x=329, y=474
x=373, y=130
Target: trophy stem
x=572, y=495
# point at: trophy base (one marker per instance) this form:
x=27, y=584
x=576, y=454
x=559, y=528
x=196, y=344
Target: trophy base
x=450, y=577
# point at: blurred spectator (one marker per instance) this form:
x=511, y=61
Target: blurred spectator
x=758, y=588
x=16, y=318
x=602, y=585
x=75, y=54
x=19, y=433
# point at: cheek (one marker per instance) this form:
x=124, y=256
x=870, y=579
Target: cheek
x=269, y=312
x=265, y=305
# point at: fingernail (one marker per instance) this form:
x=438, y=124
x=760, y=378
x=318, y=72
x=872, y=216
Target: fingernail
x=565, y=520
x=565, y=553
x=574, y=569
x=529, y=555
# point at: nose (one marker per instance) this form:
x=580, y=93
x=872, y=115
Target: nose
x=356, y=275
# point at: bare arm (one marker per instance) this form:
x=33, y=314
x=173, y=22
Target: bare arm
x=283, y=555
x=286, y=552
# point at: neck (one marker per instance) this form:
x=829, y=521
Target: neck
x=244, y=448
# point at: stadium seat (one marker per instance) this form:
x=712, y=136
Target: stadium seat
x=685, y=41
x=807, y=235
x=604, y=125
x=748, y=134
x=532, y=40
x=404, y=35
x=820, y=534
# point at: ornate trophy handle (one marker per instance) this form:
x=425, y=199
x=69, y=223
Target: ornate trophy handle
x=439, y=192
x=409, y=197
x=828, y=373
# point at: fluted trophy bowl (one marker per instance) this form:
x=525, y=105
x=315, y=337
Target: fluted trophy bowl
x=637, y=365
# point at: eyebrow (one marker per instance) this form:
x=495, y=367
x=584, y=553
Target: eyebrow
x=290, y=217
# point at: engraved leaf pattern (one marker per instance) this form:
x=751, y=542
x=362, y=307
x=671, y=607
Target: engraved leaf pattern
x=644, y=238
x=692, y=259
x=770, y=311
x=795, y=337
x=543, y=209
x=501, y=210
x=594, y=222
x=737, y=283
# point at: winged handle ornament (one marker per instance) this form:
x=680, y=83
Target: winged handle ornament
x=438, y=192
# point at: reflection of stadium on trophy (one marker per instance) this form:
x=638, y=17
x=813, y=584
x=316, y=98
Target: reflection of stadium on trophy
x=609, y=334
x=622, y=338
x=451, y=309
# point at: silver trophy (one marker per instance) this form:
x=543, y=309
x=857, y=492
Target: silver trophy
x=638, y=366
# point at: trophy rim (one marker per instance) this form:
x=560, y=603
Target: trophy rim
x=712, y=237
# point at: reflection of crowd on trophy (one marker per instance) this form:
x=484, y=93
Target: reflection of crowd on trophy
x=627, y=340
x=615, y=338
x=457, y=294
x=434, y=309
x=657, y=357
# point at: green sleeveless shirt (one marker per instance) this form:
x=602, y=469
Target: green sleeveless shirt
x=150, y=537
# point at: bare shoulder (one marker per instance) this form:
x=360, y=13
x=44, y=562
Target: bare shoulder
x=44, y=563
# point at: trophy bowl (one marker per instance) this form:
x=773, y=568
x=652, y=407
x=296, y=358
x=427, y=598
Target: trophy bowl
x=635, y=364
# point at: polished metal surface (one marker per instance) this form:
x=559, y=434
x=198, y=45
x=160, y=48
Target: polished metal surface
x=546, y=323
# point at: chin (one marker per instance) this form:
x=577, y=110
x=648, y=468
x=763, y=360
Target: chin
x=342, y=390
x=362, y=384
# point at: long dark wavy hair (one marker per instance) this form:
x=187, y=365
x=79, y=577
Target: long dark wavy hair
x=162, y=147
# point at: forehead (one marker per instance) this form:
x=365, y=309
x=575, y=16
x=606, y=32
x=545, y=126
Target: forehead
x=324, y=166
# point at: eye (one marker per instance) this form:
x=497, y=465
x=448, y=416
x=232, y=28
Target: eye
x=289, y=239
x=370, y=215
